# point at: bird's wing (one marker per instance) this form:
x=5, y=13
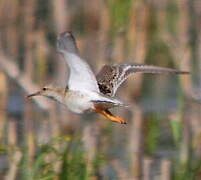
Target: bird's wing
x=108, y=103
x=104, y=104
x=81, y=76
x=111, y=77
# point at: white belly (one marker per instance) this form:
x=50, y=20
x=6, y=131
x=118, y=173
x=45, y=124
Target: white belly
x=77, y=102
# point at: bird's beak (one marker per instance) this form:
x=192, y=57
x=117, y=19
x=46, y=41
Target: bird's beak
x=34, y=94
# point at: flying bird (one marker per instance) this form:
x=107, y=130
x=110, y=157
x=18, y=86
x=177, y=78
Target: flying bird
x=87, y=92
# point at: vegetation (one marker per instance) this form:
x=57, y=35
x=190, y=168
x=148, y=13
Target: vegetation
x=41, y=141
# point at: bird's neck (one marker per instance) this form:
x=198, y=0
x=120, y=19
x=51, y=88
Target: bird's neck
x=59, y=95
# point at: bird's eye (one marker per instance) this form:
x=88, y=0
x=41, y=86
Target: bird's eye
x=44, y=89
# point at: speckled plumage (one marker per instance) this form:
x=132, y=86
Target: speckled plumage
x=111, y=77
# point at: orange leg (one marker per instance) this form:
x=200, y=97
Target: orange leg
x=110, y=116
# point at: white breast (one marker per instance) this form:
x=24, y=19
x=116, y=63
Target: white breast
x=78, y=102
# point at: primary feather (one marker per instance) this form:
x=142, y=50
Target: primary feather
x=111, y=77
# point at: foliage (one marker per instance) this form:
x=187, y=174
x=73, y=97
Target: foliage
x=61, y=159
x=119, y=14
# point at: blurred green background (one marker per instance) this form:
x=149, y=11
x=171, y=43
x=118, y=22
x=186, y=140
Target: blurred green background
x=40, y=140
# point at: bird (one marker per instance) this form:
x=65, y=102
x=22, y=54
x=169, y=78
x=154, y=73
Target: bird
x=87, y=92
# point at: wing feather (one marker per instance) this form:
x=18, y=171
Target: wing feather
x=111, y=77
x=107, y=104
x=81, y=77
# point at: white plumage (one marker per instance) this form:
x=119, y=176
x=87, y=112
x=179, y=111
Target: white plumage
x=81, y=77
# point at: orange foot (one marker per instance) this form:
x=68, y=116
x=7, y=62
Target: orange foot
x=110, y=116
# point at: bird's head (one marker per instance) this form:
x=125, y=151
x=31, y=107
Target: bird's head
x=51, y=92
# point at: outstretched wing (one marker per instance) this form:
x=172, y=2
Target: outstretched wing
x=112, y=76
x=81, y=76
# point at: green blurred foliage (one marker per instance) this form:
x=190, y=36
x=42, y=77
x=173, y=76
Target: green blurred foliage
x=66, y=152
x=152, y=133
x=119, y=15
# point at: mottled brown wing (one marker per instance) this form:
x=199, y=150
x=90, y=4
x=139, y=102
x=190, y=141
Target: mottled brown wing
x=106, y=78
x=111, y=77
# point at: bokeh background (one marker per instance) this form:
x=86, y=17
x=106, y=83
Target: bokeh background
x=41, y=140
